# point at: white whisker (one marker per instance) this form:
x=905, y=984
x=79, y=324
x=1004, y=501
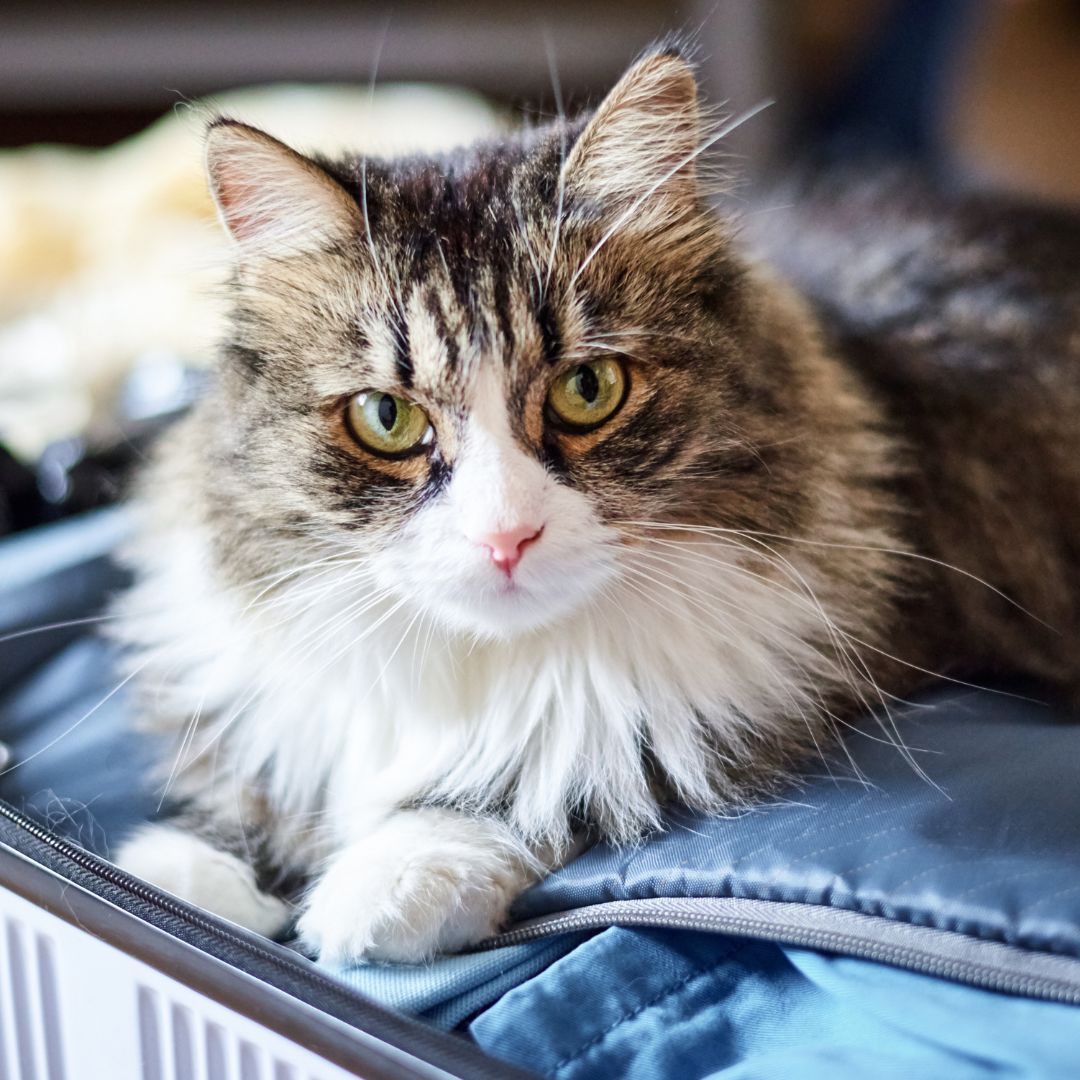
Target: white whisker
x=556, y=89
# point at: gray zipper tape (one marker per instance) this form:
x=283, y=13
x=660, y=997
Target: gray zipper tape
x=947, y=954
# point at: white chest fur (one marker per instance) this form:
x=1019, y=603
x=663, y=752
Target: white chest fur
x=340, y=706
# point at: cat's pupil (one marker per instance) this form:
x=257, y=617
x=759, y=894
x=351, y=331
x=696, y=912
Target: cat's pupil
x=387, y=412
x=586, y=383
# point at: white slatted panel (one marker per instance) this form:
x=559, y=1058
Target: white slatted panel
x=31, y=1038
x=75, y=1008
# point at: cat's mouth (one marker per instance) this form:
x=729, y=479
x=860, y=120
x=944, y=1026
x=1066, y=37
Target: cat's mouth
x=501, y=586
x=508, y=585
x=488, y=601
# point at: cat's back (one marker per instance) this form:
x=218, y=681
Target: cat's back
x=961, y=293
x=961, y=313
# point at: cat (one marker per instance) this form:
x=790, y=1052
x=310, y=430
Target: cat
x=532, y=494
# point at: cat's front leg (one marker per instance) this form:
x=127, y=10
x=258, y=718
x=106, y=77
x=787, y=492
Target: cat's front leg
x=425, y=881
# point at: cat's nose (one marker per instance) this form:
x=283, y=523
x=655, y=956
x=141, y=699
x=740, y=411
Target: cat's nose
x=506, y=546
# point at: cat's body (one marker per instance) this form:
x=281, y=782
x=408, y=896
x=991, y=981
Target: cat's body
x=412, y=674
x=962, y=316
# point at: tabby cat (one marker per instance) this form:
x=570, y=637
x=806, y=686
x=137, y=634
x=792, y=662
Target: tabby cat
x=532, y=494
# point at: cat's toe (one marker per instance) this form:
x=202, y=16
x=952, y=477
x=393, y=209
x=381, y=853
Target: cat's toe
x=192, y=869
x=408, y=903
x=406, y=912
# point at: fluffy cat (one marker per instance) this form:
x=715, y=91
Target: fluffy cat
x=526, y=500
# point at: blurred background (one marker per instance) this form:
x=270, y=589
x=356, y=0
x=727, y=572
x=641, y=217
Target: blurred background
x=110, y=258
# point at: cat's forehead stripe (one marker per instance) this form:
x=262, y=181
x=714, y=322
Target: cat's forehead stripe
x=448, y=340
x=503, y=316
x=550, y=335
x=403, y=360
x=435, y=310
x=433, y=344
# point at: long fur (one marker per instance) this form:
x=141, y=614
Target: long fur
x=738, y=560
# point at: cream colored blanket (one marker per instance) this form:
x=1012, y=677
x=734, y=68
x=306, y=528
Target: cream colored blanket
x=114, y=258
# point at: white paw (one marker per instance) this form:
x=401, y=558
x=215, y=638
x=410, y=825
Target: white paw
x=426, y=882
x=190, y=868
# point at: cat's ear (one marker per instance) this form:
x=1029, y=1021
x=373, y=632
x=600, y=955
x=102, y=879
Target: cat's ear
x=636, y=155
x=274, y=201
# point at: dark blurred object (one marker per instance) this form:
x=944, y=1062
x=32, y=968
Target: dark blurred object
x=71, y=476
x=86, y=472
x=972, y=93
x=892, y=103
x=20, y=503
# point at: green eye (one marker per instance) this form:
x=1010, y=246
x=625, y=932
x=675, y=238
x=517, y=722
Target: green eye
x=582, y=398
x=389, y=426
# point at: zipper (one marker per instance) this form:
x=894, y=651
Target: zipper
x=947, y=954
x=988, y=964
x=148, y=894
x=321, y=991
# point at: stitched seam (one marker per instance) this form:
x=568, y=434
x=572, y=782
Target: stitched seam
x=877, y=861
x=847, y=843
x=1041, y=871
x=666, y=992
x=1053, y=896
x=977, y=857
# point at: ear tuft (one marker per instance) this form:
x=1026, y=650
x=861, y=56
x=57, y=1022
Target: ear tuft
x=274, y=201
x=640, y=144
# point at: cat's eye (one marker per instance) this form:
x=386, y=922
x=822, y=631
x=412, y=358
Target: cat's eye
x=586, y=396
x=387, y=425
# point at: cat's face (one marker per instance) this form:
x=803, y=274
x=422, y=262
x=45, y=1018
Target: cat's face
x=484, y=374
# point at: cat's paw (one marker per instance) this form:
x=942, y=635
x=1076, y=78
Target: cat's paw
x=426, y=882
x=190, y=868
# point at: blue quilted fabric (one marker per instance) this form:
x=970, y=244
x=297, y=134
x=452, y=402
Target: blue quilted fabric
x=675, y=1005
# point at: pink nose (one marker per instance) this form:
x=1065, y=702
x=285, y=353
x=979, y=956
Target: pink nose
x=508, y=545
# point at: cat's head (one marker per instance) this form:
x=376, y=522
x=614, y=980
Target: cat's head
x=483, y=373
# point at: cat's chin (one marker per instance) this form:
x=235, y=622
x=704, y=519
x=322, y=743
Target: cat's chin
x=514, y=608
x=509, y=613
x=477, y=600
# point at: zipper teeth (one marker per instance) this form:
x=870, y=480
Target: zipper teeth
x=800, y=937
x=148, y=894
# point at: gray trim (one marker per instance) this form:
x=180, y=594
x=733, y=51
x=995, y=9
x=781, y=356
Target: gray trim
x=944, y=953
